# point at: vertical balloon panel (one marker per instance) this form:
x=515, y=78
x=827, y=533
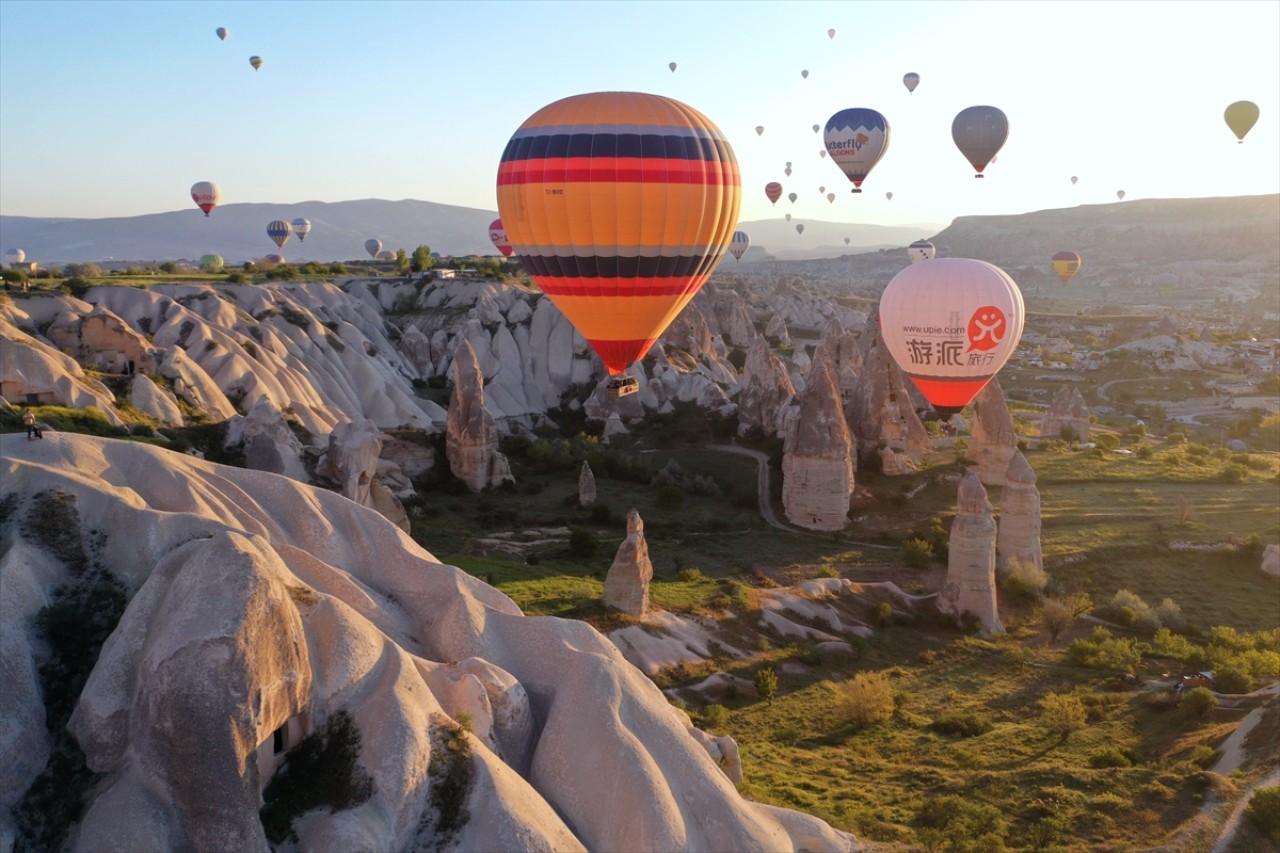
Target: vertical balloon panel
x=619, y=205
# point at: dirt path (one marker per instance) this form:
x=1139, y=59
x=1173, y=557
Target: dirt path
x=762, y=482
x=1228, y=833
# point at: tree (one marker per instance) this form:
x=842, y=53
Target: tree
x=766, y=683
x=1059, y=614
x=402, y=262
x=865, y=699
x=421, y=259
x=1062, y=713
x=1198, y=702
x=1068, y=434
x=582, y=542
x=1264, y=812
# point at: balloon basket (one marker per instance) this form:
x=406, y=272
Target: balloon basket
x=855, y=190
x=979, y=176
x=621, y=386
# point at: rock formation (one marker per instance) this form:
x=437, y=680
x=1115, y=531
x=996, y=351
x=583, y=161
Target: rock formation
x=261, y=611
x=626, y=587
x=353, y=461
x=269, y=444
x=993, y=440
x=880, y=411
x=586, y=486
x=1019, y=536
x=971, y=561
x=1068, y=409
x=153, y=401
x=765, y=390
x=34, y=371
x=776, y=331
x=817, y=460
x=839, y=350
x=1271, y=560
x=471, y=439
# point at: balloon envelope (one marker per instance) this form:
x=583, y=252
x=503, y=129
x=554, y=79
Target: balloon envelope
x=920, y=250
x=212, y=263
x=386, y=255
x=206, y=195
x=817, y=127
x=619, y=205
x=911, y=80
x=498, y=236
x=831, y=34
x=1074, y=179
x=951, y=324
x=672, y=66
x=792, y=197
x=856, y=139
x=831, y=197
x=759, y=130
x=846, y=241
x=799, y=227
x=221, y=33
x=256, y=62
x=889, y=196
x=15, y=256
x=979, y=133
x=804, y=74
x=788, y=217
x=773, y=190
x=279, y=231
x=301, y=227
x=1120, y=194
x=373, y=247
x=1066, y=265
x=1241, y=117
x=274, y=259
x=739, y=244
x=787, y=171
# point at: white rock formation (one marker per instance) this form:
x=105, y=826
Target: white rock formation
x=32, y=370
x=1068, y=409
x=1018, y=540
x=766, y=391
x=971, y=561
x=817, y=461
x=994, y=440
x=269, y=444
x=1271, y=560
x=626, y=587
x=154, y=401
x=880, y=409
x=586, y=486
x=776, y=331
x=471, y=439
x=838, y=349
x=275, y=613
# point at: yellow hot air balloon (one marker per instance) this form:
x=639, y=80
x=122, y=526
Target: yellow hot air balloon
x=619, y=205
x=1241, y=117
x=1066, y=265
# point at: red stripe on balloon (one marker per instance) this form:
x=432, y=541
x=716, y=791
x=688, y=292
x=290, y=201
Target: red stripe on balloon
x=618, y=170
x=951, y=393
x=619, y=355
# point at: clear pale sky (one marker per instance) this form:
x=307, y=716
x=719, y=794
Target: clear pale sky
x=116, y=108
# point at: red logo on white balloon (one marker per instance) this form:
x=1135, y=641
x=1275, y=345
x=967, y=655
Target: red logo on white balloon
x=986, y=329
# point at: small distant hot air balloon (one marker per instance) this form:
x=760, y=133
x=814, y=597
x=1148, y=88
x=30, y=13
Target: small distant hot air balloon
x=1120, y=194
x=773, y=190
x=788, y=164
x=301, y=227
x=911, y=80
x=212, y=263
x=274, y=259
x=206, y=195
x=498, y=236
x=846, y=241
x=888, y=196
x=672, y=66
x=817, y=127
x=256, y=62
x=373, y=246
x=831, y=197
x=857, y=138
x=1074, y=180
x=222, y=33
x=920, y=250
x=822, y=190
x=974, y=315
x=788, y=217
x=805, y=74
x=831, y=34
x=799, y=227
x=739, y=244
x=15, y=256
x=621, y=241
x=1066, y=265
x=279, y=231
x=1241, y=117
x=980, y=133
x=787, y=171
x=792, y=197
x=386, y=255
x=759, y=130
x=823, y=153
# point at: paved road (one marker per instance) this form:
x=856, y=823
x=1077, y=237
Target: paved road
x=762, y=482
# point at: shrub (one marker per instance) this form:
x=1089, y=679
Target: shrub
x=1144, y=452
x=1198, y=702
x=583, y=543
x=1103, y=651
x=917, y=553
x=1129, y=610
x=1110, y=757
x=882, y=614
x=690, y=575
x=766, y=683
x=1167, y=644
x=714, y=716
x=1062, y=713
x=962, y=824
x=962, y=724
x=1169, y=614
x=1107, y=441
x=1025, y=581
x=1234, y=473
x=1263, y=812
x=865, y=699
x=671, y=497
x=1232, y=677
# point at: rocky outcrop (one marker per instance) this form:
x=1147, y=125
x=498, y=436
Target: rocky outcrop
x=32, y=370
x=776, y=331
x=353, y=462
x=626, y=587
x=1067, y=411
x=154, y=402
x=1271, y=560
x=817, y=460
x=838, y=349
x=586, y=486
x=283, y=612
x=269, y=444
x=971, y=561
x=1018, y=540
x=993, y=440
x=471, y=437
x=103, y=341
x=766, y=391
x=880, y=410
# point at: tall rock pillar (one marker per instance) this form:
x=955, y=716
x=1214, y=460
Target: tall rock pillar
x=817, y=457
x=971, y=565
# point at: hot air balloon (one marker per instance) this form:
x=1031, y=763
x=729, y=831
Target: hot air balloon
x=1074, y=179
x=831, y=197
x=979, y=133
x=301, y=227
x=831, y=34
x=817, y=127
x=888, y=196
x=857, y=138
x=773, y=190
x=792, y=197
x=618, y=222
x=373, y=247
x=498, y=237
x=804, y=74
x=823, y=153
x=788, y=164
x=787, y=171
x=951, y=324
x=739, y=244
x=920, y=250
x=386, y=255
x=1066, y=265
x=1120, y=194
x=279, y=231
x=911, y=80
x=759, y=130
x=222, y=33
x=672, y=66
x=799, y=227
x=788, y=217
x=206, y=195
x=274, y=259
x=1240, y=117
x=846, y=241
x=256, y=62
x=15, y=256
x=212, y=263
x=822, y=189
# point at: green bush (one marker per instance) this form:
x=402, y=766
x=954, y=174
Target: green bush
x=1263, y=812
x=962, y=724
x=1109, y=757
x=917, y=553
x=865, y=699
x=1107, y=441
x=690, y=575
x=1198, y=703
x=714, y=716
x=583, y=543
x=766, y=683
x=1063, y=714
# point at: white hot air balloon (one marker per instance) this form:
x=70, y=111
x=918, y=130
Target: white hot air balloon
x=739, y=244
x=373, y=246
x=831, y=34
x=831, y=197
x=920, y=250
x=1120, y=194
x=206, y=195
x=1074, y=179
x=788, y=217
x=301, y=227
x=759, y=130
x=15, y=256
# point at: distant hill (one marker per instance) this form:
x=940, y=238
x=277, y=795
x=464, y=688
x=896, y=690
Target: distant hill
x=778, y=238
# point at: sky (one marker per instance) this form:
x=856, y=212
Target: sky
x=116, y=108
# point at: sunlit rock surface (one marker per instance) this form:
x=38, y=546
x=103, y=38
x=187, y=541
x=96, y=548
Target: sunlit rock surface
x=817, y=460
x=1068, y=410
x=1018, y=540
x=993, y=441
x=971, y=560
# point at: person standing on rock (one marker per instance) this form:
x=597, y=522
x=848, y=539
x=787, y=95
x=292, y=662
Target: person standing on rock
x=29, y=421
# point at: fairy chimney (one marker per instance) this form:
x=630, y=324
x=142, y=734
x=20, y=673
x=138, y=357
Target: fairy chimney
x=817, y=457
x=971, y=563
x=1019, y=536
x=586, y=486
x=765, y=390
x=471, y=437
x=994, y=440
x=626, y=587
x=1068, y=410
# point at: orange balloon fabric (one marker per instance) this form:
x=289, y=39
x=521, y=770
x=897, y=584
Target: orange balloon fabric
x=619, y=205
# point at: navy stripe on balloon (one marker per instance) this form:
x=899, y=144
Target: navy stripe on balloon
x=670, y=146
x=602, y=266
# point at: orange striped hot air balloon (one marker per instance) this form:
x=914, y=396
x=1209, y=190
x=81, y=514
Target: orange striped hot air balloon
x=619, y=205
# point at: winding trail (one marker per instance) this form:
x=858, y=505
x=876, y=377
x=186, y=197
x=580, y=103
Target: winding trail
x=1233, y=756
x=762, y=482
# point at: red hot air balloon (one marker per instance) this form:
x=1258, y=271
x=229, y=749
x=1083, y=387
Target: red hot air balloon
x=1066, y=265
x=206, y=195
x=773, y=190
x=498, y=236
x=951, y=324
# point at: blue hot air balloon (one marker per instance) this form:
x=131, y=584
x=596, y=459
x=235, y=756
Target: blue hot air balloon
x=856, y=139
